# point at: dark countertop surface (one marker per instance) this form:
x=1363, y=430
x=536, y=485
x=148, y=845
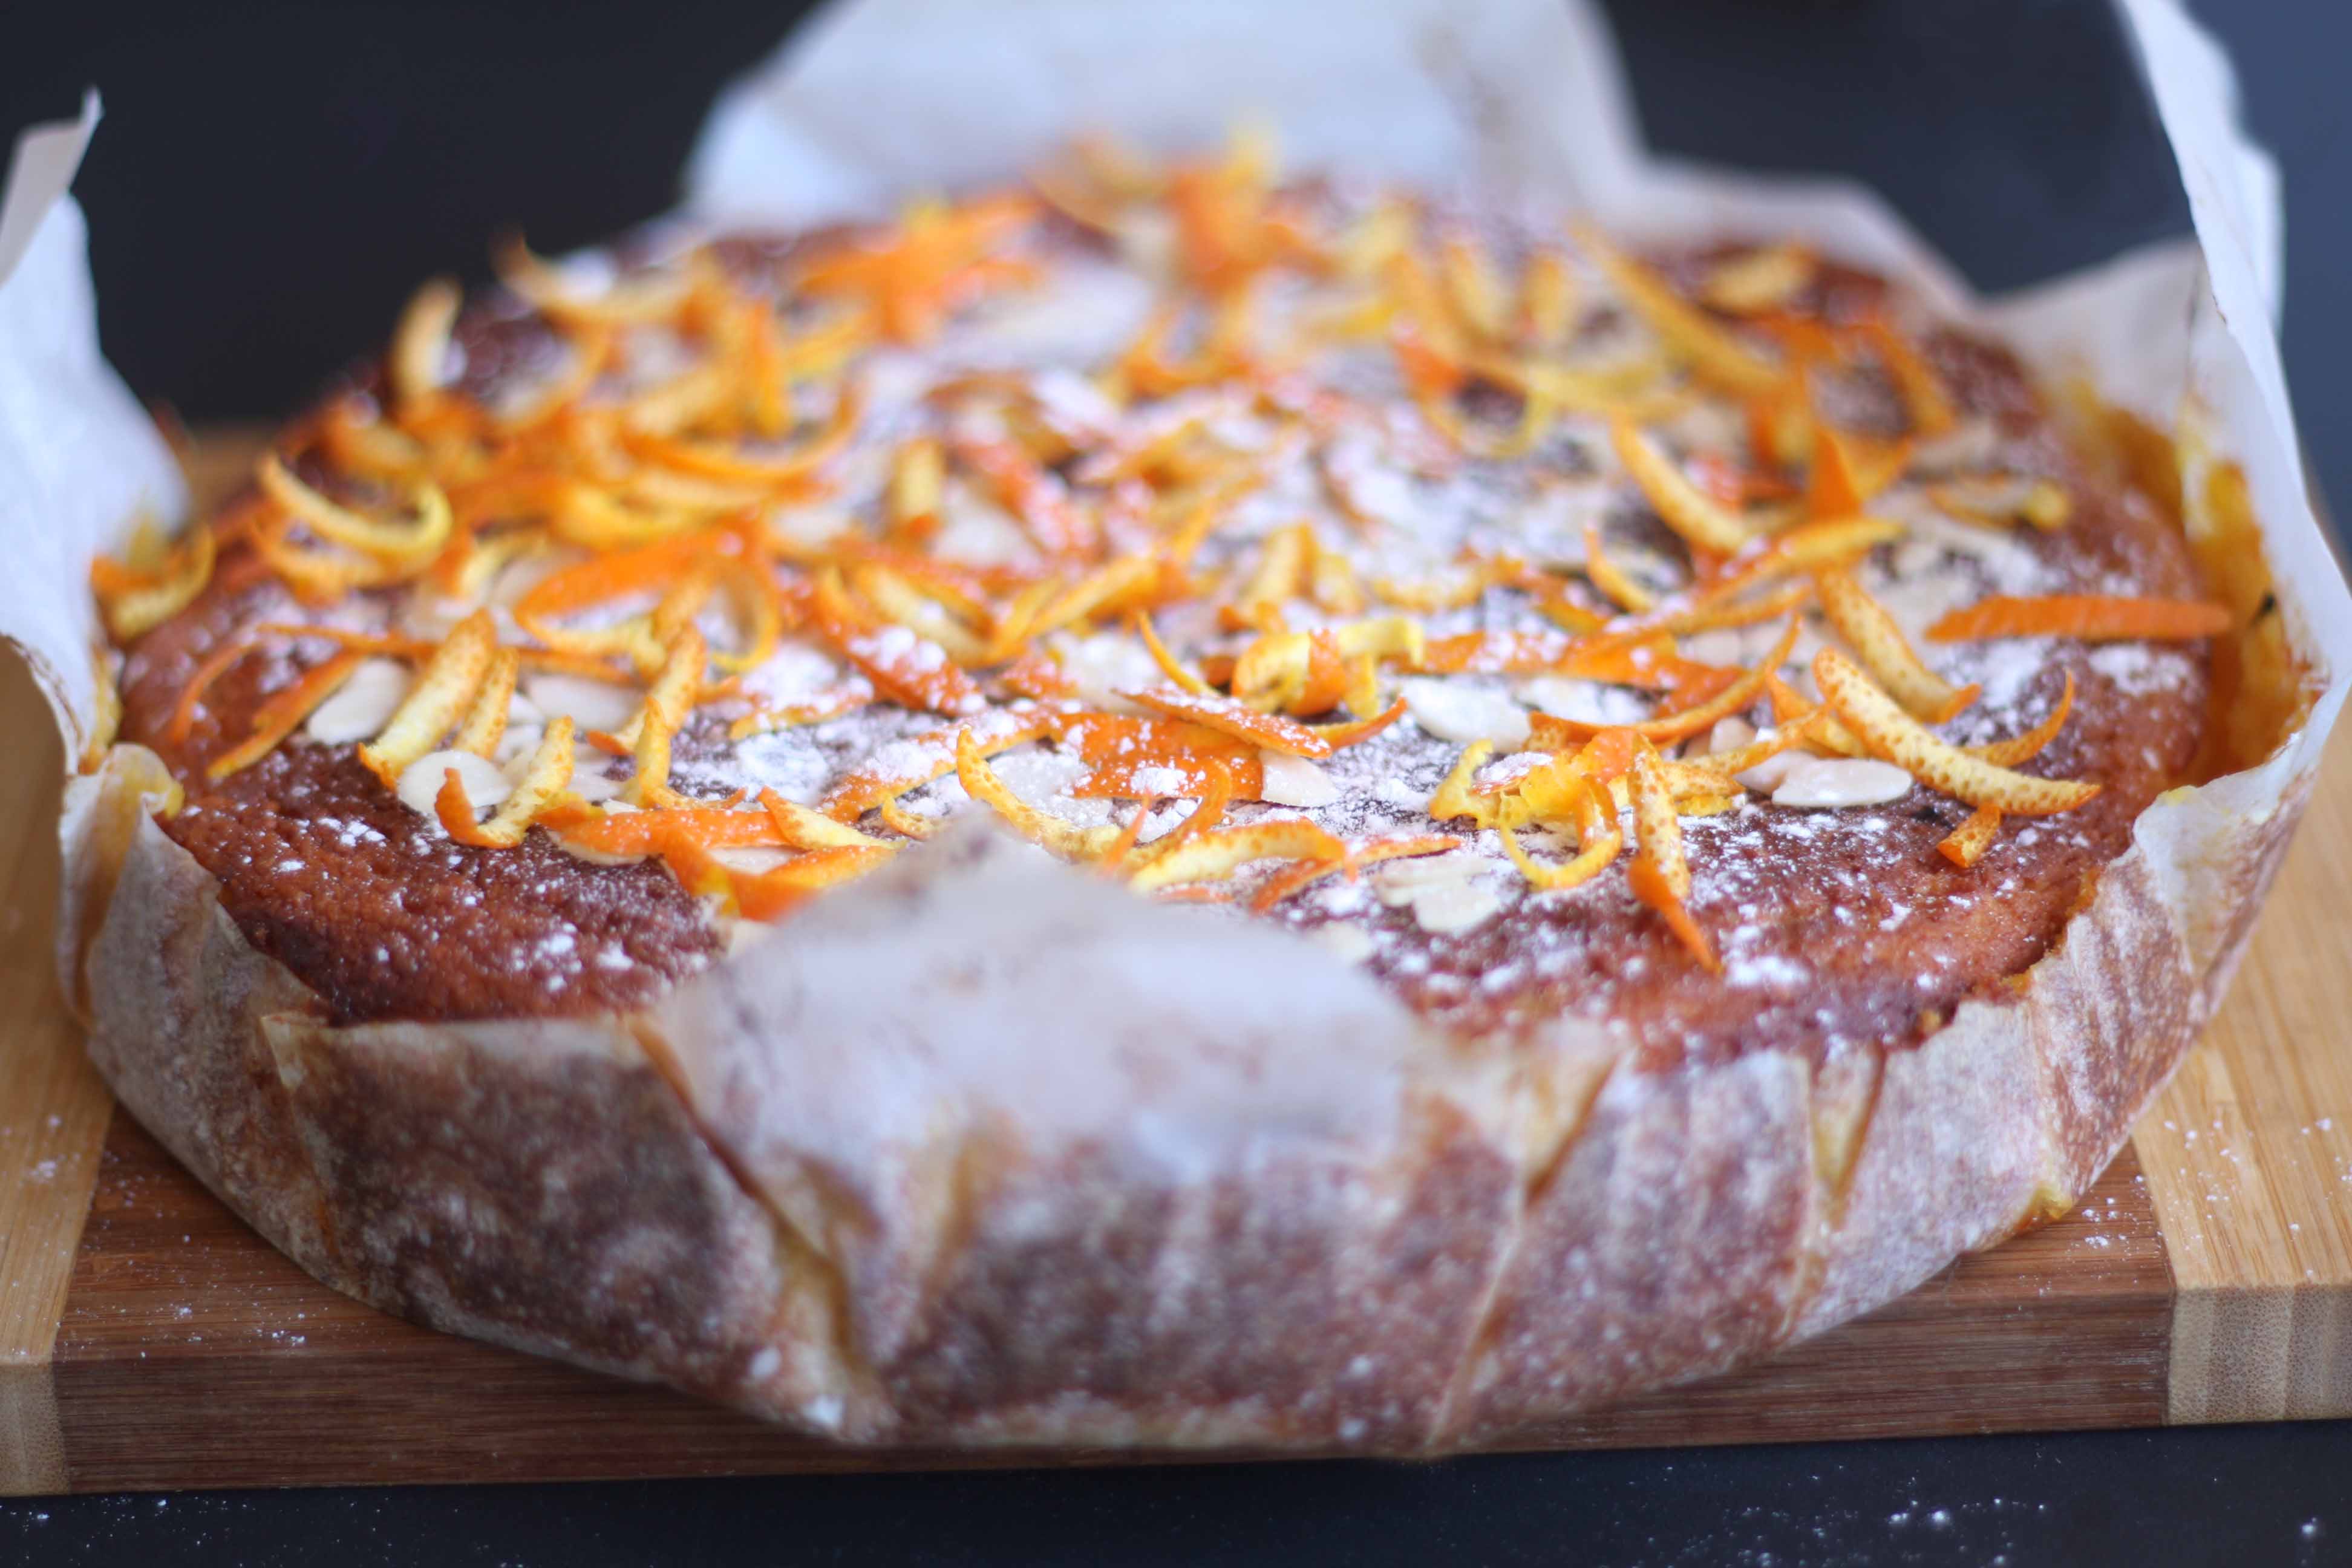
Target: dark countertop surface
x=275, y=176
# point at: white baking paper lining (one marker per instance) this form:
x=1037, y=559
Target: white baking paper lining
x=1521, y=101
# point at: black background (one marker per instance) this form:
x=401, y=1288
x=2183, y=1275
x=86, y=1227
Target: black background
x=274, y=177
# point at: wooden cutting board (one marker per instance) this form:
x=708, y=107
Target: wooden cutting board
x=148, y=1339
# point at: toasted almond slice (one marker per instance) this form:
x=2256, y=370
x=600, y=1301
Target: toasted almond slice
x=1966, y=843
x=1834, y=783
x=482, y=785
x=1690, y=512
x=1881, y=724
x=549, y=771
x=1883, y=650
x=2092, y=617
x=444, y=690
x=363, y=706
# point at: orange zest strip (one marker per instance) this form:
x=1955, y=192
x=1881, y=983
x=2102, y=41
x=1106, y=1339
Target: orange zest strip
x=1341, y=736
x=1169, y=666
x=138, y=600
x=804, y=828
x=1122, y=751
x=1966, y=843
x=549, y=771
x=486, y=721
x=624, y=833
x=667, y=701
x=913, y=763
x=1218, y=853
x=1600, y=841
x=1307, y=873
x=1623, y=592
x=1736, y=698
x=1890, y=733
x=779, y=891
x=444, y=689
x=1054, y=523
x=276, y=718
x=1928, y=404
x=391, y=543
x=1999, y=499
x=1229, y=717
x=910, y=670
x=1883, y=650
x=1066, y=839
x=1659, y=875
x=1689, y=510
x=1714, y=353
x=2026, y=747
x=215, y=664
x=905, y=823
x=2089, y=616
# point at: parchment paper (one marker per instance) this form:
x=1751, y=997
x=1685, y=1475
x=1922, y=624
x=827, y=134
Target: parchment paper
x=1521, y=101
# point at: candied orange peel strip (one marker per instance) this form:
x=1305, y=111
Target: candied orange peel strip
x=1893, y=735
x=2001, y=499
x=2026, y=747
x=1689, y=510
x=1599, y=841
x=1660, y=874
x=1218, y=853
x=283, y=713
x=138, y=599
x=2091, y=617
x=1886, y=653
x=396, y=546
x=1736, y=698
x=442, y=692
x=1966, y=843
x=667, y=701
x=1713, y=353
x=1069, y=840
x=1231, y=717
x=542, y=781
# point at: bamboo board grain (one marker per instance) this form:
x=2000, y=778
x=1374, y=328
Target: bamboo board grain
x=149, y=1340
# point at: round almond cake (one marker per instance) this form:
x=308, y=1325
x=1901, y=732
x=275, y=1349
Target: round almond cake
x=1162, y=808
